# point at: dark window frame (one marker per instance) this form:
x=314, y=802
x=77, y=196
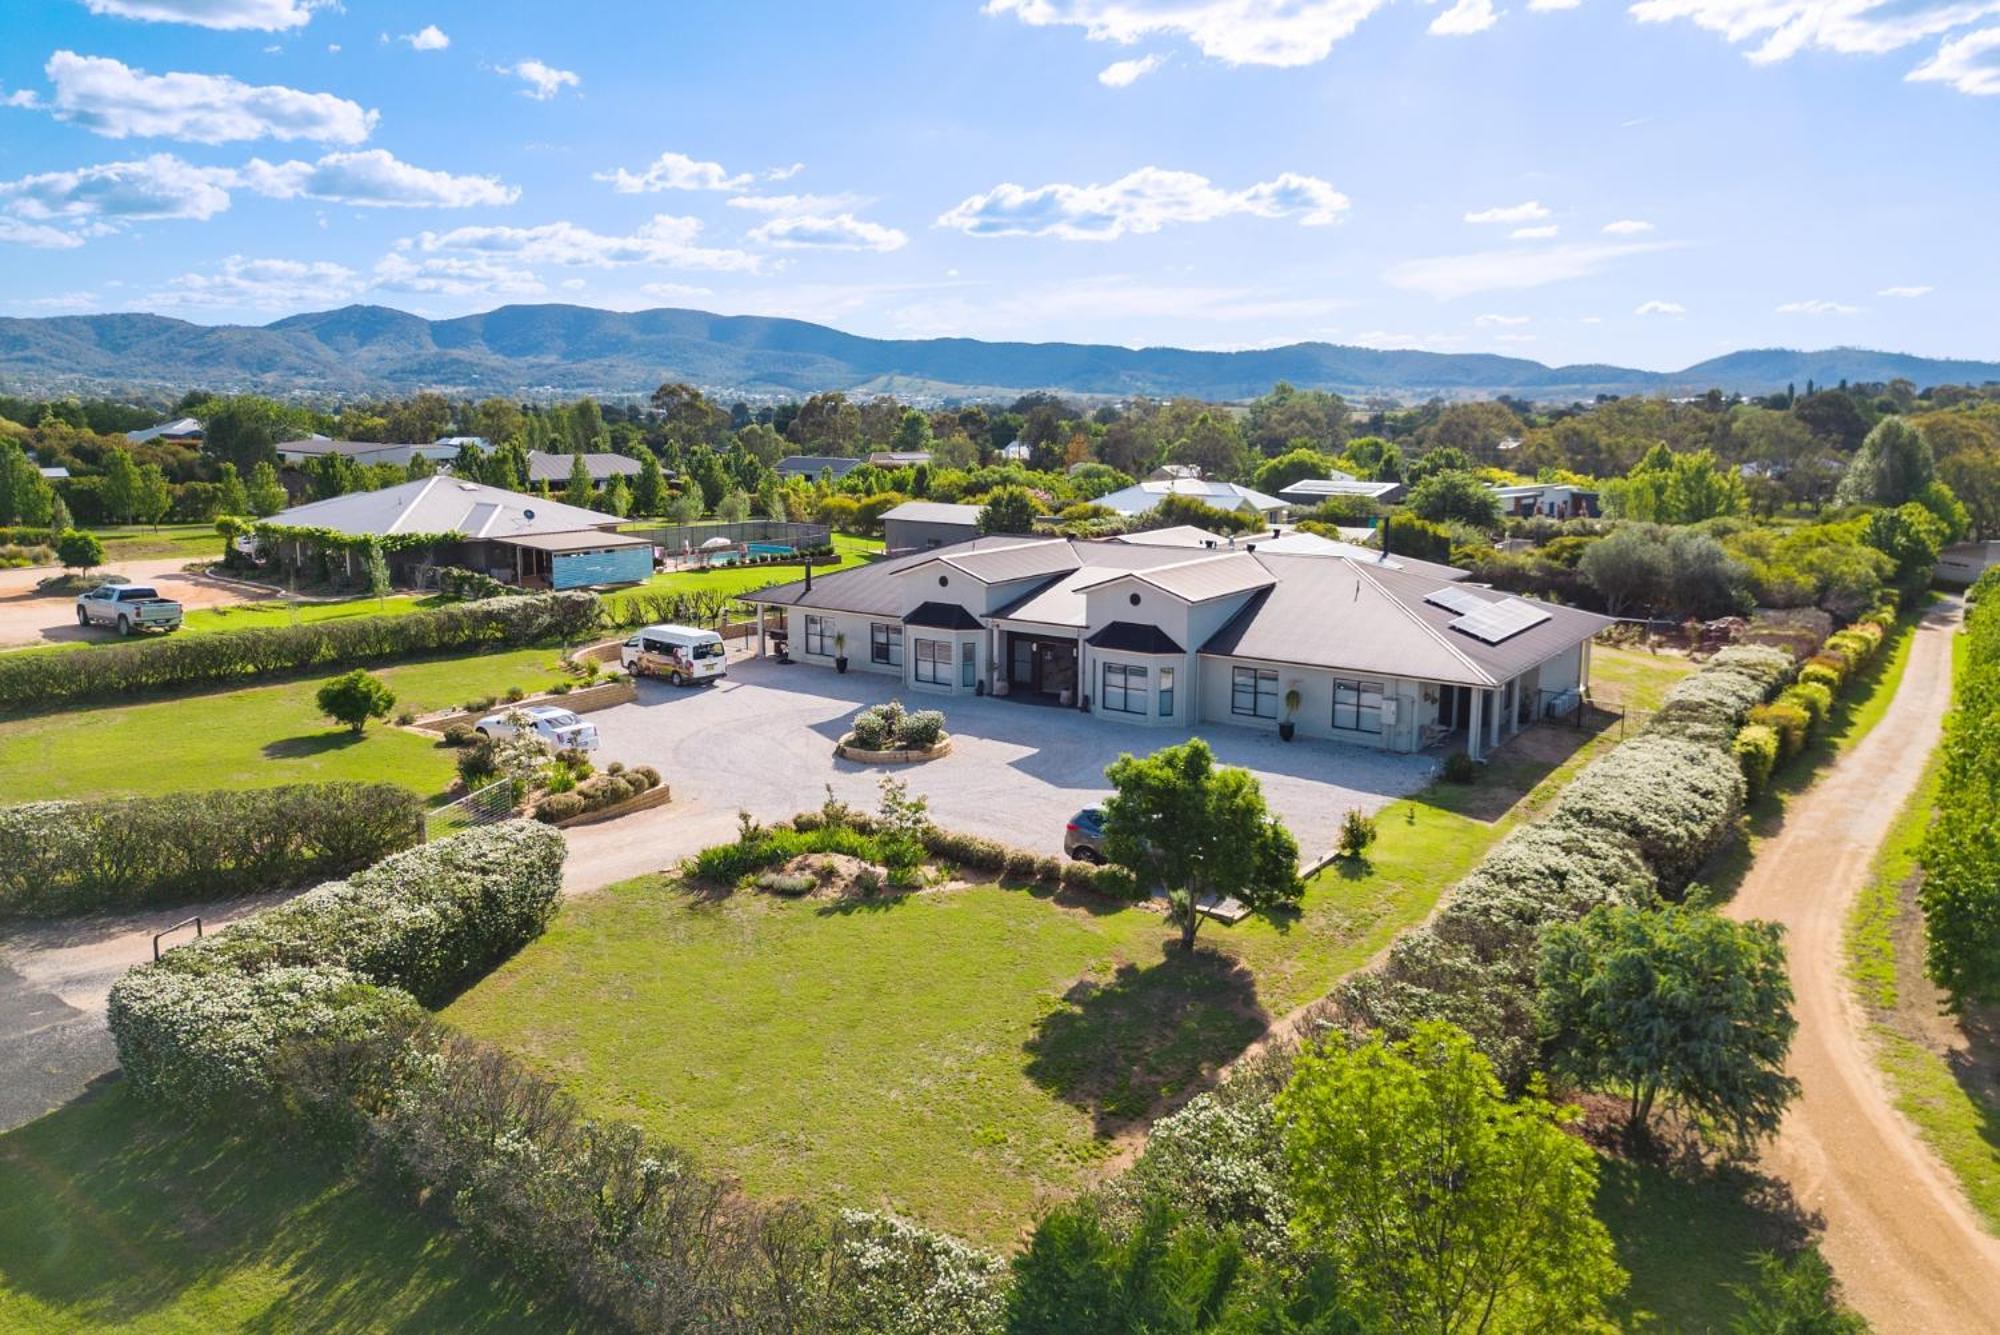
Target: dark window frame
x=1351, y=700
x=1132, y=696
x=1262, y=693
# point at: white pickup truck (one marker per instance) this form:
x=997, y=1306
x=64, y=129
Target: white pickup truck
x=128, y=608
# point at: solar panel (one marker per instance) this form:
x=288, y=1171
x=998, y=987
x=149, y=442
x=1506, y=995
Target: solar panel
x=1454, y=599
x=1495, y=622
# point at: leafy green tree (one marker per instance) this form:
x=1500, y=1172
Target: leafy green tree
x=1795, y=1297
x=1677, y=1004
x=1460, y=497
x=1669, y=488
x=1180, y=821
x=245, y=430
x=331, y=475
x=153, y=497
x=1909, y=535
x=59, y=517
x=1443, y=1206
x=1274, y=475
x=761, y=441
x=25, y=495
x=913, y=432
x=79, y=551
x=686, y=507
x=377, y=568
x=579, y=491
x=1008, y=510
x=119, y=488
x=706, y=472
x=616, y=498
x=355, y=697
x=1443, y=459
x=231, y=498
x=266, y=493
x=734, y=507
x=1287, y=416
x=1214, y=444
x=1961, y=850
x=1627, y=567
x=1893, y=465
x=649, y=493
x=1974, y=478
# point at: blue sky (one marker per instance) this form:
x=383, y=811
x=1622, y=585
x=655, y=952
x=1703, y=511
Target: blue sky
x=1648, y=184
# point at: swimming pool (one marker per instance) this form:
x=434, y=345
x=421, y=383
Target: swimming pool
x=769, y=548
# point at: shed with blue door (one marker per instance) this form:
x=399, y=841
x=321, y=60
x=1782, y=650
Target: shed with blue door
x=581, y=560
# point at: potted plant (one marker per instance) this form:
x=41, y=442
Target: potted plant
x=1287, y=728
x=840, y=651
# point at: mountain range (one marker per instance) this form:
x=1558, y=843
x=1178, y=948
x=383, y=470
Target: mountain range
x=548, y=350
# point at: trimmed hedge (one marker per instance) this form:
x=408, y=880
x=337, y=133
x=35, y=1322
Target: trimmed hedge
x=201, y=1027
x=1676, y=799
x=38, y=681
x=1756, y=748
x=70, y=857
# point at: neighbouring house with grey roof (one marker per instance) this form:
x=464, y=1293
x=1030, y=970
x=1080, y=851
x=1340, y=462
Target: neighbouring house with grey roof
x=920, y=525
x=812, y=467
x=1551, y=500
x=1377, y=651
x=180, y=431
x=1307, y=493
x=1141, y=497
x=899, y=458
x=301, y=452
x=554, y=469
x=516, y=539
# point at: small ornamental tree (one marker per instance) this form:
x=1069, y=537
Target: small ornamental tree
x=1178, y=820
x=79, y=551
x=1008, y=510
x=1677, y=1003
x=266, y=493
x=1443, y=1206
x=579, y=492
x=378, y=574
x=355, y=697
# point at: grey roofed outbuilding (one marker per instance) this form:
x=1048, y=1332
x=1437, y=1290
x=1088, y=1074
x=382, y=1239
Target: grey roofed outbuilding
x=327, y=445
x=545, y=467
x=444, y=504
x=181, y=428
x=1307, y=491
x=812, y=465
x=933, y=512
x=1140, y=497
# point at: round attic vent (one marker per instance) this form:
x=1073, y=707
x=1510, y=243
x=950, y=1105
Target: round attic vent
x=1135, y=600
x=527, y=514
x=944, y=581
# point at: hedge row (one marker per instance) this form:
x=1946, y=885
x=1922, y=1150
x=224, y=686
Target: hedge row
x=34, y=681
x=1961, y=851
x=201, y=1027
x=71, y=857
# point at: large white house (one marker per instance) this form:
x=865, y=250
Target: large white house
x=1379, y=650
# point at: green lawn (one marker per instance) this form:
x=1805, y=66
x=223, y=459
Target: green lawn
x=140, y=542
x=114, y=1217
x=276, y=612
x=252, y=737
x=962, y=1056
x=732, y=580
x=1684, y=1240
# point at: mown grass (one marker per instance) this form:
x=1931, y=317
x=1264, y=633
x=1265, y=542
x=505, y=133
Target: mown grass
x=251, y=737
x=729, y=581
x=142, y=542
x=114, y=1217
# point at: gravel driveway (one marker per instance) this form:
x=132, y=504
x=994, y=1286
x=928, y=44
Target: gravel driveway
x=29, y=616
x=763, y=740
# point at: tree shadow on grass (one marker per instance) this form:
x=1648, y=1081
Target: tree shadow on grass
x=121, y=1212
x=1151, y=1037
x=311, y=744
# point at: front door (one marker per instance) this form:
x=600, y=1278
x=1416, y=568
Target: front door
x=1044, y=666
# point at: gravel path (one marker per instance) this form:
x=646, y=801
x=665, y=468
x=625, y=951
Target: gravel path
x=29, y=617
x=1909, y=1251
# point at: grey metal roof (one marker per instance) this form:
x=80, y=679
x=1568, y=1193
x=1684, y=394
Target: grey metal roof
x=444, y=504
x=180, y=428
x=588, y=541
x=1134, y=637
x=812, y=465
x=1319, y=488
x=871, y=589
x=322, y=445
x=1143, y=496
x=544, y=467
x=934, y=512
x=1011, y=557
x=1198, y=578
x=942, y=616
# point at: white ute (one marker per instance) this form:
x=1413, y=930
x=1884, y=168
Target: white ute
x=559, y=727
x=127, y=608
x=683, y=655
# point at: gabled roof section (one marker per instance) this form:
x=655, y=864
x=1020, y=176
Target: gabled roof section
x=1200, y=578
x=942, y=616
x=1011, y=559
x=934, y=512
x=1134, y=637
x=546, y=467
x=443, y=504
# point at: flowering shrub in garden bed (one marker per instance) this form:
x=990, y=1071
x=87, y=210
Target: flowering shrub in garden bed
x=615, y=786
x=71, y=857
x=34, y=681
x=890, y=727
x=1677, y=800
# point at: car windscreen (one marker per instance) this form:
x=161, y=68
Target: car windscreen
x=131, y=594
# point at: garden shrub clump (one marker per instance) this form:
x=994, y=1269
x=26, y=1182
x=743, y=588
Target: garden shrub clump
x=598, y=793
x=890, y=727
x=202, y=1027
x=1961, y=851
x=1676, y=799
x=36, y=681
x=71, y=857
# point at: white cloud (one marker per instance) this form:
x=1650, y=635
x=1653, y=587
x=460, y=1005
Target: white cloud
x=1849, y=27
x=1125, y=73
x=430, y=37
x=228, y=15
x=1464, y=19
x=675, y=171
x=375, y=178
x=1818, y=306
x=1548, y=6
x=1659, y=308
x=1397, y=342
x=1540, y=233
x=1627, y=227
x=675, y=291
x=1447, y=276
x=1971, y=64
x=544, y=81
x=13, y=231
x=264, y=284
x=1490, y=320
x=1532, y=211
x=795, y=204
x=842, y=231
x=664, y=240
x=455, y=275
x=1142, y=201
x=115, y=100
x=1238, y=32
x=161, y=186
x=1913, y=290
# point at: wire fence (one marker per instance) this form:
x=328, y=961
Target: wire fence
x=678, y=537
x=484, y=806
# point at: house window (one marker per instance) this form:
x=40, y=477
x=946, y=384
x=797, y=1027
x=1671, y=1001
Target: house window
x=934, y=662
x=1166, y=692
x=819, y=636
x=1357, y=706
x=1124, y=688
x=885, y=643
x=968, y=663
x=1253, y=692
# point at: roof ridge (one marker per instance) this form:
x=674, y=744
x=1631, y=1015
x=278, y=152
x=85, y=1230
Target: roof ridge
x=415, y=497
x=1409, y=613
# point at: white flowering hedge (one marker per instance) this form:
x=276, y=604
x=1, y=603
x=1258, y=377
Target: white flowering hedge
x=70, y=857
x=1677, y=800
x=202, y=1027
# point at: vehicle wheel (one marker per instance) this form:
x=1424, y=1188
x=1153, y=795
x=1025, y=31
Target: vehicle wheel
x=678, y=680
x=1090, y=855
x=82, y=617
x=124, y=625
x=483, y=733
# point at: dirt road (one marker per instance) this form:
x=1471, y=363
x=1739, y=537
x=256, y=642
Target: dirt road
x=30, y=617
x=1909, y=1251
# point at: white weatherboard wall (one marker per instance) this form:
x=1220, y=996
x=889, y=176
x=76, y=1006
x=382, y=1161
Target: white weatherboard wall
x=1315, y=716
x=852, y=624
